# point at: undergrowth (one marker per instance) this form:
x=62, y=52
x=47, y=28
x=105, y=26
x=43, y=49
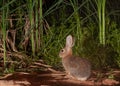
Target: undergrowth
x=50, y=24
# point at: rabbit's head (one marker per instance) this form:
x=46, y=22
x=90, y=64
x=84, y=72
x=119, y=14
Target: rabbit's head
x=67, y=50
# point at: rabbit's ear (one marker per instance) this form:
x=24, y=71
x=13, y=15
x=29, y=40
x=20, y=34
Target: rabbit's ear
x=69, y=41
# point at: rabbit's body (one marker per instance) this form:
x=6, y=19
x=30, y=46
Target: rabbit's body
x=77, y=67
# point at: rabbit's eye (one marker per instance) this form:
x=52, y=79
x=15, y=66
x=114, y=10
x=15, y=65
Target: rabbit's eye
x=62, y=50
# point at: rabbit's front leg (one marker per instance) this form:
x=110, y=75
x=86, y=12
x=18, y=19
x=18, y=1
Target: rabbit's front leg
x=69, y=75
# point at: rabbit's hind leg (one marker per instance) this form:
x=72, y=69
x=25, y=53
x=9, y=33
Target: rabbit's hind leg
x=82, y=78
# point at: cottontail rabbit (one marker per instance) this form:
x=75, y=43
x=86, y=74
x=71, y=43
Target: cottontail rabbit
x=78, y=68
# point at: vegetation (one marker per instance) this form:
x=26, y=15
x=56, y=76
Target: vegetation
x=36, y=29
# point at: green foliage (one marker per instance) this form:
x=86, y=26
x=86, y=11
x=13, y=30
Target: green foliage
x=113, y=38
x=3, y=26
x=101, y=5
x=91, y=22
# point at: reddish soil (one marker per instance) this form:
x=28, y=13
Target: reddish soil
x=48, y=78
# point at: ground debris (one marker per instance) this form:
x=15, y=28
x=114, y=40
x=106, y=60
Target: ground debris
x=51, y=77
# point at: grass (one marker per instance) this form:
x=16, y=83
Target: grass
x=5, y=11
x=91, y=22
x=101, y=17
x=31, y=18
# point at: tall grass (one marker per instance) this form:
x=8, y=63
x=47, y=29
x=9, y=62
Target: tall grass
x=37, y=24
x=41, y=25
x=101, y=18
x=36, y=21
x=75, y=6
x=4, y=27
x=31, y=18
